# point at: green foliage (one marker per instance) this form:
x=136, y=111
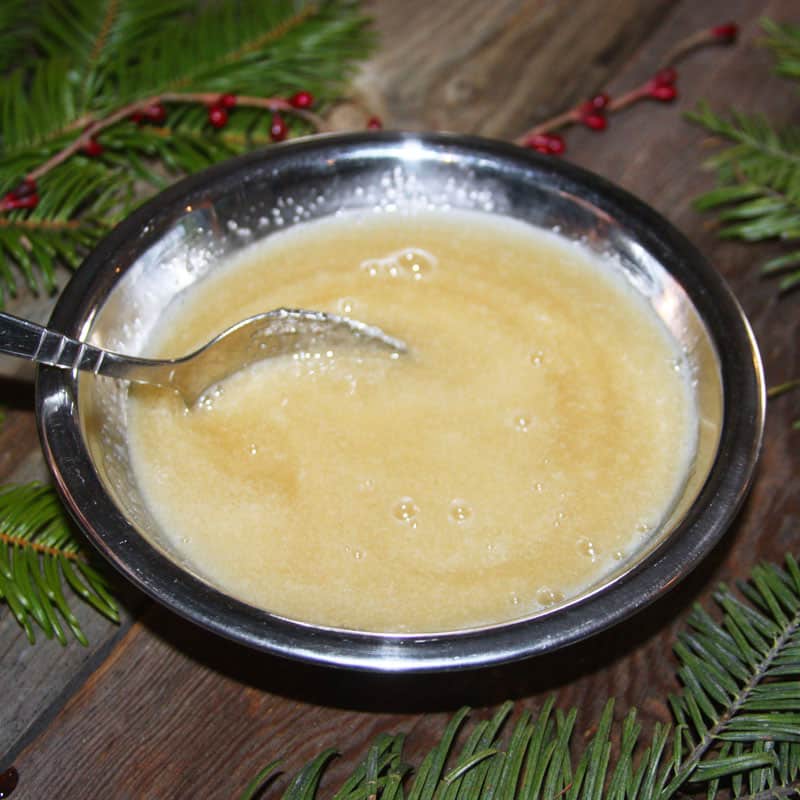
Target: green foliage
x=758, y=176
x=39, y=554
x=16, y=25
x=783, y=388
x=69, y=63
x=736, y=731
x=254, y=48
x=758, y=196
x=784, y=41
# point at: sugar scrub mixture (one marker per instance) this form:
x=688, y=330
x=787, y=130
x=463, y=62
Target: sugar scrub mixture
x=540, y=427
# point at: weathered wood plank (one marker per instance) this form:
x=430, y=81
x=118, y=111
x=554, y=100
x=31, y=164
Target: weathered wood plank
x=40, y=677
x=494, y=70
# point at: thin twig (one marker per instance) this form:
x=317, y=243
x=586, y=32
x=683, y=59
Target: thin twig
x=723, y=34
x=96, y=126
x=782, y=388
x=112, y=12
x=18, y=541
x=691, y=761
x=26, y=223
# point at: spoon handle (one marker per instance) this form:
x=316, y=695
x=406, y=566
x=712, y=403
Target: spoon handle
x=25, y=339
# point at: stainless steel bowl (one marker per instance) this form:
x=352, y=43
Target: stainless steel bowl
x=119, y=293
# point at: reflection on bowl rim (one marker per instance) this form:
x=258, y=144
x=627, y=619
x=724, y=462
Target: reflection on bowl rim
x=709, y=516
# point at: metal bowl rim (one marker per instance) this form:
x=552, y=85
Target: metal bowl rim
x=709, y=517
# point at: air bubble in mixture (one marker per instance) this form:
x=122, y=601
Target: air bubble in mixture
x=405, y=510
x=460, y=511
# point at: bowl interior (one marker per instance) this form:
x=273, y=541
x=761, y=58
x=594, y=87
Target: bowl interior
x=120, y=294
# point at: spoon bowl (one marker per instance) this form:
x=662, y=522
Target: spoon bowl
x=274, y=333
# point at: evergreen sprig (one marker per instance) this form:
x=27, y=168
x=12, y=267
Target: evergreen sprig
x=69, y=65
x=40, y=555
x=758, y=193
x=736, y=727
x=758, y=176
x=784, y=41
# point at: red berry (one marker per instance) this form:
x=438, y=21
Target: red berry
x=24, y=196
x=301, y=100
x=12, y=200
x=25, y=189
x=217, y=116
x=277, y=128
x=555, y=144
x=547, y=143
x=93, y=148
x=155, y=113
x=662, y=85
x=727, y=32
x=374, y=124
x=662, y=92
x=596, y=122
x=665, y=77
x=226, y=100
x=591, y=113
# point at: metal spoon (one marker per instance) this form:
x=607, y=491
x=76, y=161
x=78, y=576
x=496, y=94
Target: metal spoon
x=274, y=333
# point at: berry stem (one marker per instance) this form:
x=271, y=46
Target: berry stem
x=629, y=98
x=660, y=87
x=93, y=127
x=720, y=34
x=554, y=123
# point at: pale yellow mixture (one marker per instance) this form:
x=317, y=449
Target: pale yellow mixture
x=540, y=427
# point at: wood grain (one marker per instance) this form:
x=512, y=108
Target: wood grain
x=44, y=675
x=166, y=710
x=494, y=70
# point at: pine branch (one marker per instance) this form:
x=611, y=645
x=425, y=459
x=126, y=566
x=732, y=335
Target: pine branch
x=250, y=47
x=737, y=726
x=39, y=553
x=784, y=41
x=737, y=677
x=93, y=30
x=758, y=193
x=16, y=25
x=758, y=176
x=101, y=62
x=757, y=196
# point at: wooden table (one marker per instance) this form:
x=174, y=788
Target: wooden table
x=157, y=708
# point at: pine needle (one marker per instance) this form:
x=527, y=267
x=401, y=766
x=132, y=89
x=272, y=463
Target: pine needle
x=41, y=555
x=757, y=197
x=737, y=725
x=74, y=62
x=758, y=174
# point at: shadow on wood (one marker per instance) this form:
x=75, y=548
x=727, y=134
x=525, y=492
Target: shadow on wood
x=389, y=693
x=17, y=392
